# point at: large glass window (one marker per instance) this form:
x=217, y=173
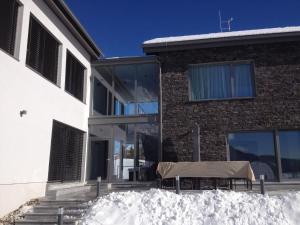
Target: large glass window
x=134, y=149
x=222, y=81
x=136, y=87
x=290, y=153
x=8, y=24
x=256, y=147
x=42, y=51
x=74, y=77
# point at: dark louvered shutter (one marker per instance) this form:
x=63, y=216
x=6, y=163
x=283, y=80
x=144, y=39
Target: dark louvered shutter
x=66, y=153
x=8, y=25
x=74, y=77
x=42, y=51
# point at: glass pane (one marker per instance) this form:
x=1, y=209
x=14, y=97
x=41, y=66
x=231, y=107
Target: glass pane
x=256, y=147
x=124, y=77
x=242, y=80
x=105, y=72
x=290, y=153
x=100, y=97
x=147, y=88
x=134, y=150
x=147, y=150
x=129, y=153
x=136, y=87
x=119, y=107
x=210, y=82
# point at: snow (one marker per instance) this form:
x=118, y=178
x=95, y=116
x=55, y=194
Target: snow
x=160, y=207
x=224, y=35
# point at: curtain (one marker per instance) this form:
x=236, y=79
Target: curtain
x=220, y=81
x=242, y=81
x=210, y=82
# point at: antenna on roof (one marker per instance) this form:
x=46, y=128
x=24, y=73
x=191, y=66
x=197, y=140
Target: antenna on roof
x=225, y=25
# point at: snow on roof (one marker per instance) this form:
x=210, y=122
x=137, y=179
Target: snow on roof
x=210, y=36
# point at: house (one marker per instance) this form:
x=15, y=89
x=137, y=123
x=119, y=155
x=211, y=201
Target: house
x=45, y=69
x=69, y=115
x=232, y=96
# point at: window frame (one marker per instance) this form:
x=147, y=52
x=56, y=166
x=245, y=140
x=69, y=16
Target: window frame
x=231, y=64
x=59, y=55
x=276, y=139
x=83, y=100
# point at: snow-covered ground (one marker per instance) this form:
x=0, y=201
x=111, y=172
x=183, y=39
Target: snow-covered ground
x=160, y=207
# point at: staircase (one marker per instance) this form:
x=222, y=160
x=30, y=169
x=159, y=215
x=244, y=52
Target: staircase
x=75, y=200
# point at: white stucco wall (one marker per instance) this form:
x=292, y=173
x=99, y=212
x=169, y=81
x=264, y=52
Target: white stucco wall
x=25, y=141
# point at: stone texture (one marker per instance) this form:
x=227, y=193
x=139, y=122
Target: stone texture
x=275, y=106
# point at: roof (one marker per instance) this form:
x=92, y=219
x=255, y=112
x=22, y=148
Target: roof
x=64, y=13
x=219, y=39
x=125, y=60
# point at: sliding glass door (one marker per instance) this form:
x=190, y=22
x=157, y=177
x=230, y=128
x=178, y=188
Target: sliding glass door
x=276, y=154
x=133, y=152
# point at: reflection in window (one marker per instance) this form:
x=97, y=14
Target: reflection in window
x=135, y=149
x=136, y=87
x=220, y=81
x=290, y=153
x=119, y=107
x=256, y=147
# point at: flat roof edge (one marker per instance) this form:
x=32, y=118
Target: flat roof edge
x=220, y=42
x=125, y=60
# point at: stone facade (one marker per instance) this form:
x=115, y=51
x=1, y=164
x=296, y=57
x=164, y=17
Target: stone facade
x=276, y=104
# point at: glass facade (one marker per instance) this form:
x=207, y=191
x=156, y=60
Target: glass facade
x=256, y=147
x=259, y=148
x=134, y=149
x=124, y=137
x=290, y=154
x=135, y=87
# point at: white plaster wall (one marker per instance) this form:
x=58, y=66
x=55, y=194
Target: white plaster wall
x=25, y=141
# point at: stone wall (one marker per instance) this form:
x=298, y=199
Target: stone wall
x=275, y=106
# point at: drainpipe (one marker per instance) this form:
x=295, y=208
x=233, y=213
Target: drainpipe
x=198, y=142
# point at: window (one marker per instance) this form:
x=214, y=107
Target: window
x=256, y=147
x=136, y=87
x=42, y=51
x=100, y=97
x=8, y=25
x=222, y=81
x=290, y=153
x=74, y=77
x=119, y=107
x=66, y=153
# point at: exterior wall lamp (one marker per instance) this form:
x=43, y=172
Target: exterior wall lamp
x=23, y=112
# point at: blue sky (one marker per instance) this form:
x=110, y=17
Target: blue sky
x=120, y=26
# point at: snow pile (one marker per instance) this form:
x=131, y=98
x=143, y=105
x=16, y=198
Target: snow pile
x=265, y=31
x=159, y=207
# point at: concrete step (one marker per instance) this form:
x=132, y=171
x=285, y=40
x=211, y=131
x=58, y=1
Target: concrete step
x=54, y=209
x=52, y=216
x=125, y=185
x=51, y=222
x=64, y=203
x=55, y=193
